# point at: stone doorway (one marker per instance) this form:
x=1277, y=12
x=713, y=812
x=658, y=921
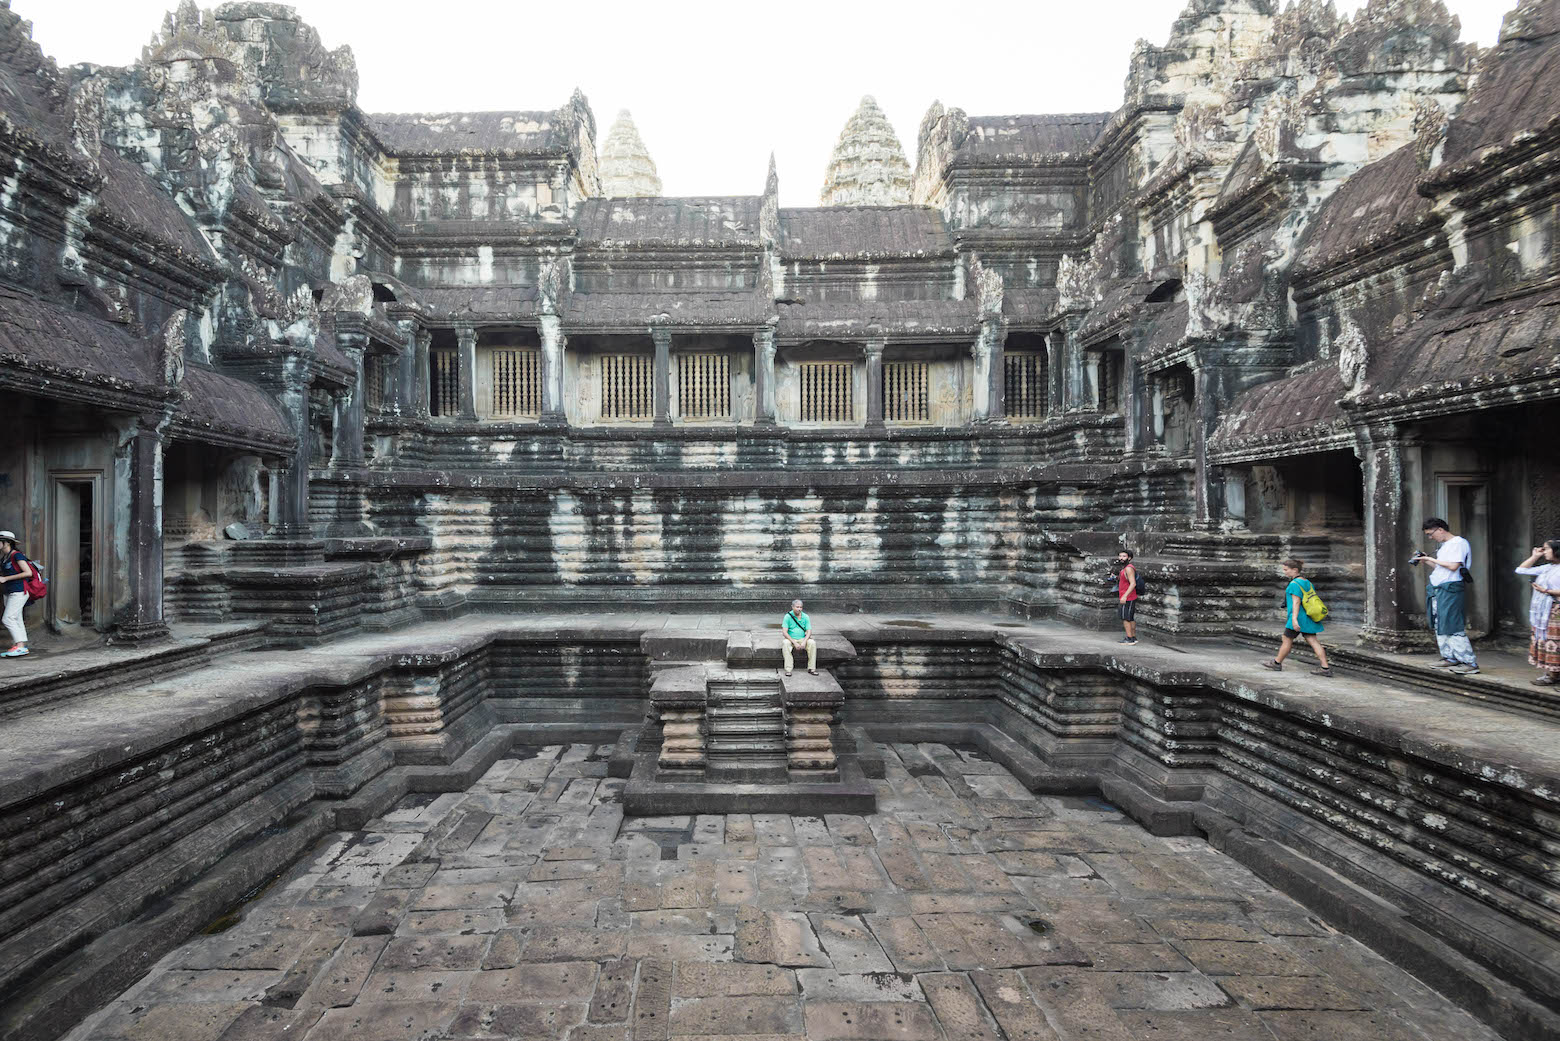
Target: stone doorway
x=74, y=547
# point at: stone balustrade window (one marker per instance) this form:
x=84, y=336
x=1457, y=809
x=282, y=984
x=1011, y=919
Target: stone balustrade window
x=704, y=387
x=828, y=392
x=905, y=392
x=510, y=382
x=1024, y=384
x=444, y=381
x=627, y=387
x=376, y=374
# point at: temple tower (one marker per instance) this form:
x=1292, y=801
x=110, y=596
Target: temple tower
x=627, y=171
x=868, y=167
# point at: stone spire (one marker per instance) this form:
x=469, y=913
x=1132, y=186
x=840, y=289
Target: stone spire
x=868, y=167
x=627, y=171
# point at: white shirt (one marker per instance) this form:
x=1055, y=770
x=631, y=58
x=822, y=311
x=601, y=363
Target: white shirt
x=1453, y=550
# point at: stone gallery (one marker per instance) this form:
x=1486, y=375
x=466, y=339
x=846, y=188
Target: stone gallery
x=420, y=496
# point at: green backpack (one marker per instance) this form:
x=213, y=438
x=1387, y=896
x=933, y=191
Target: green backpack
x=1312, y=604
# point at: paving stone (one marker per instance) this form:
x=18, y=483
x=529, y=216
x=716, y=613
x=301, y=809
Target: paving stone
x=875, y=1021
x=415, y=985
x=904, y=943
x=343, y=976
x=991, y=941
x=686, y=921
x=385, y=1021
x=1292, y=923
x=612, y=999
x=445, y=898
x=259, y=1023
x=383, y=914
x=958, y=1006
x=1291, y=992
x=1135, y=957
x=196, y=1021
x=1212, y=1024
x=849, y=945
x=674, y=947
x=701, y=979
x=1162, y=991
x=557, y=982
x=828, y=985
x=1074, y=1007
x=552, y=943
x=209, y=986
x=1007, y=998
x=811, y=831
x=1232, y=958
x=750, y=1015
x=1206, y=929
x=427, y=923
x=653, y=1000
x=739, y=827
x=1338, y=1026
x=534, y=1022
x=849, y=829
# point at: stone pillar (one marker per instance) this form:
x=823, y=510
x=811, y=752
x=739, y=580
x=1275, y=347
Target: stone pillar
x=140, y=467
x=1056, y=373
x=662, y=386
x=421, y=406
x=466, y=377
x=764, y=377
x=346, y=452
x=553, y=346
x=1234, y=479
x=874, y=354
x=1388, y=578
x=290, y=494
x=991, y=405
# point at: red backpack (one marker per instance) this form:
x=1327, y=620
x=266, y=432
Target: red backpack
x=36, y=587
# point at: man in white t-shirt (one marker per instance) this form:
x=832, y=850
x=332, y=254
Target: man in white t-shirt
x=1445, y=599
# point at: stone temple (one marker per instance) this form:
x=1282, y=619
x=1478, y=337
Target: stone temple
x=420, y=494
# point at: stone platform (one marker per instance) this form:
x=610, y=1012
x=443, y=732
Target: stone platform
x=133, y=815
x=967, y=909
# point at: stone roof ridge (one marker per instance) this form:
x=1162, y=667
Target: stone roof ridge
x=625, y=166
x=868, y=164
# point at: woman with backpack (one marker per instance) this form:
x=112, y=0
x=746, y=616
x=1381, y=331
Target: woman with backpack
x=15, y=569
x=1298, y=621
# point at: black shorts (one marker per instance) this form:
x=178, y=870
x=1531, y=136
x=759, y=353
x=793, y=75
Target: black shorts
x=1128, y=610
x=1293, y=634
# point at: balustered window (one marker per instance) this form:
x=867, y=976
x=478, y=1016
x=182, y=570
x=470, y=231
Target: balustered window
x=444, y=381
x=627, y=387
x=704, y=387
x=376, y=373
x=905, y=397
x=1024, y=384
x=828, y=391
x=512, y=379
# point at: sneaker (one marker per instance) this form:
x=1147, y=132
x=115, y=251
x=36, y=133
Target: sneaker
x=1276, y=666
x=812, y=672
x=1322, y=672
x=1444, y=664
x=14, y=652
x=788, y=672
x=1466, y=670
x=1125, y=640
x=1543, y=681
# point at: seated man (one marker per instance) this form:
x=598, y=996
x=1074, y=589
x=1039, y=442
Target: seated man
x=797, y=632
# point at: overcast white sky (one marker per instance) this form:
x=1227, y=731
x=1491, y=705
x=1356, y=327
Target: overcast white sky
x=713, y=85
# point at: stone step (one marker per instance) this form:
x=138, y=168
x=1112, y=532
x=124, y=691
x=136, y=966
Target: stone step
x=762, y=649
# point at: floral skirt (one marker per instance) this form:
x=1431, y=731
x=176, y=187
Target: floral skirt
x=1545, y=653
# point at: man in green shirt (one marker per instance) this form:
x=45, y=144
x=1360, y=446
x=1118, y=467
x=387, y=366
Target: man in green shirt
x=797, y=632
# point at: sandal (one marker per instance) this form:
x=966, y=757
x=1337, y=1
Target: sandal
x=1276, y=666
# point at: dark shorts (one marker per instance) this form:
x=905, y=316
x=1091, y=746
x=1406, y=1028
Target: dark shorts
x=1128, y=610
x=1294, y=634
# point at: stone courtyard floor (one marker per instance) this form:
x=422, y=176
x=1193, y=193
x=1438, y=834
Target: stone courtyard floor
x=966, y=908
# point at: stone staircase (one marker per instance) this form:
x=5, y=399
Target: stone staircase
x=746, y=728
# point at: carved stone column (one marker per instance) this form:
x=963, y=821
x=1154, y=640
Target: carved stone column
x=466, y=376
x=988, y=352
x=662, y=386
x=138, y=469
x=421, y=384
x=1389, y=581
x=874, y=354
x=764, y=377
x=347, y=429
x=553, y=345
x=290, y=492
